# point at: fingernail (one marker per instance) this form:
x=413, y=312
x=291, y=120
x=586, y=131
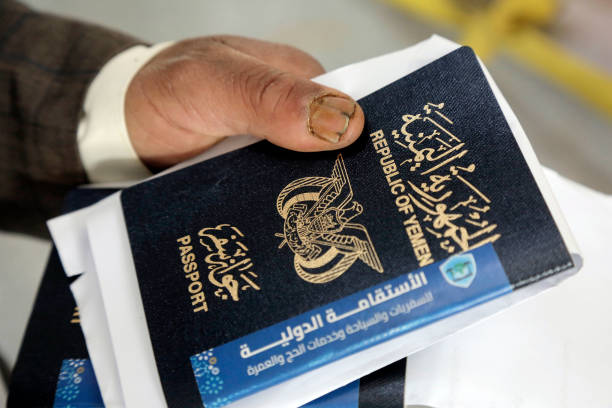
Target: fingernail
x=329, y=117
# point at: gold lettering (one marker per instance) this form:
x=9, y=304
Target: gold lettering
x=421, y=250
x=391, y=167
x=380, y=143
x=193, y=276
x=188, y=258
x=426, y=258
x=413, y=230
x=185, y=250
x=199, y=298
x=417, y=240
x=403, y=204
x=197, y=284
x=204, y=307
x=76, y=317
x=384, y=152
x=184, y=240
x=411, y=220
x=190, y=267
x=402, y=201
x=397, y=188
x=389, y=177
x=377, y=135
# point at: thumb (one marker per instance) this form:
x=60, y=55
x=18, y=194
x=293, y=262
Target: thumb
x=293, y=112
x=193, y=94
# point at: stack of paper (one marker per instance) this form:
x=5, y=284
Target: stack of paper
x=261, y=277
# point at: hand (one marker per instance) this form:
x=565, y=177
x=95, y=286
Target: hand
x=198, y=91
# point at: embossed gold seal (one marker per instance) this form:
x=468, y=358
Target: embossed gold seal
x=318, y=212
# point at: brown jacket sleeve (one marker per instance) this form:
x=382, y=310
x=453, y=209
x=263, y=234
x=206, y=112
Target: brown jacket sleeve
x=46, y=65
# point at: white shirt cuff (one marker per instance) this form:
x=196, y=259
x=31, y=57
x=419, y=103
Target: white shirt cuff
x=103, y=141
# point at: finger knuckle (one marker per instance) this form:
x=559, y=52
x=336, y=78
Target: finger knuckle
x=268, y=90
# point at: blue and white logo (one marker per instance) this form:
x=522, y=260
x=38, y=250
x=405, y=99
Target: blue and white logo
x=459, y=270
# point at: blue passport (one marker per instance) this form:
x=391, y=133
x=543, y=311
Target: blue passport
x=263, y=264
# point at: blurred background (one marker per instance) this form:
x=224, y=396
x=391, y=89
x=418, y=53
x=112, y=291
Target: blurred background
x=551, y=59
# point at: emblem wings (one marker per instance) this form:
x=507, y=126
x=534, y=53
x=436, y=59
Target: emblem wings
x=356, y=243
x=337, y=193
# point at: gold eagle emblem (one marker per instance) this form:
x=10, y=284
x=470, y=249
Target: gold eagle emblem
x=318, y=212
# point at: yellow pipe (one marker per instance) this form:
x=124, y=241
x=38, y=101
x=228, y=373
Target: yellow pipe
x=552, y=61
x=509, y=24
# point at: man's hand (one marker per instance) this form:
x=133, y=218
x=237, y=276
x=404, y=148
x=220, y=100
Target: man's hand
x=198, y=91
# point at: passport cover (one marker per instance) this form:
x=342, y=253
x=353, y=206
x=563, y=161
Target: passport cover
x=262, y=264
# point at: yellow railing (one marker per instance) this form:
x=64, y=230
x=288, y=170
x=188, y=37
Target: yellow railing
x=515, y=26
